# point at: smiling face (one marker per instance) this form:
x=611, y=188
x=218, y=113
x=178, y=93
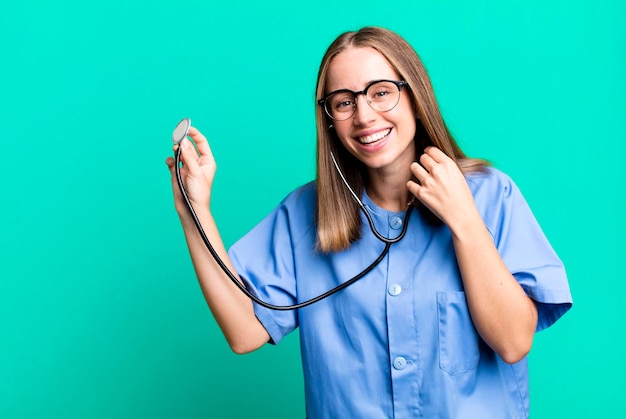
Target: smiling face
x=381, y=140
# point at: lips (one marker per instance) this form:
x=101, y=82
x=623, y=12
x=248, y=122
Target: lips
x=372, y=138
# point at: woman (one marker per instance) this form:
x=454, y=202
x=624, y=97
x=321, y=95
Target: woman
x=442, y=326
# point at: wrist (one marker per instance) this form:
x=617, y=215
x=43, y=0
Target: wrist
x=467, y=225
x=184, y=212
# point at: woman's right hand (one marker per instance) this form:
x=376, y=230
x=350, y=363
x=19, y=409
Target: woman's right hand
x=197, y=172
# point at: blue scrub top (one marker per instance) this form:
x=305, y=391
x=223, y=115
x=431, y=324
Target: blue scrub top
x=399, y=343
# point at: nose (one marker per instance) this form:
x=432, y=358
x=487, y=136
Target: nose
x=363, y=112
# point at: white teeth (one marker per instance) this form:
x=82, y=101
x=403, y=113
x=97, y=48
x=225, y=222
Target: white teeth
x=374, y=137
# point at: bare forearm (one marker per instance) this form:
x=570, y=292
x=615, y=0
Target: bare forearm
x=232, y=310
x=503, y=314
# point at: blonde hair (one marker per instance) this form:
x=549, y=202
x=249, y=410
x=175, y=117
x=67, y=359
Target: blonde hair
x=337, y=215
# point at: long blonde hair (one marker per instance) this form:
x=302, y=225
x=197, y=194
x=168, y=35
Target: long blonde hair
x=337, y=215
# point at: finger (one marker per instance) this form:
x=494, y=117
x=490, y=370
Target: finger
x=201, y=142
x=436, y=154
x=427, y=161
x=418, y=171
x=171, y=165
x=414, y=188
x=189, y=156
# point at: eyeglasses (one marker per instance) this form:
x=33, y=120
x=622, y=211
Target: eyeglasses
x=381, y=95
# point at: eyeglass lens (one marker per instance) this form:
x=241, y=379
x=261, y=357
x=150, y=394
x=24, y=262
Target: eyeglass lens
x=382, y=96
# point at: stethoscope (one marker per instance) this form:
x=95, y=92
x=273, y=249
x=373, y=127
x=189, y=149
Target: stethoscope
x=180, y=133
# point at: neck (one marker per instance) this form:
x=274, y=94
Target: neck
x=389, y=191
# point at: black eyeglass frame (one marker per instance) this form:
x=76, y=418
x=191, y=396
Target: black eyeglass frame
x=322, y=102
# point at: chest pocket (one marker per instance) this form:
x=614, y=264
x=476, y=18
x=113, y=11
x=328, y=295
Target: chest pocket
x=458, y=340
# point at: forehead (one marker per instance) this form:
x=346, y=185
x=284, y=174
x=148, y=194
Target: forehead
x=354, y=68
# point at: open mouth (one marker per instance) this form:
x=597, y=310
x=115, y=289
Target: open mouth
x=370, y=139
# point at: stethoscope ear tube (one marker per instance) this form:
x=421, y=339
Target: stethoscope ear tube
x=235, y=280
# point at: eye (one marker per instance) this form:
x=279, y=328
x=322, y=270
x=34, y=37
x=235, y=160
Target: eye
x=380, y=93
x=342, y=102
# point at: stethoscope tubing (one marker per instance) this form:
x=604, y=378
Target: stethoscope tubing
x=242, y=287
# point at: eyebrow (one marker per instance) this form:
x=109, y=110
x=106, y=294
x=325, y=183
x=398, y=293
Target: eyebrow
x=354, y=91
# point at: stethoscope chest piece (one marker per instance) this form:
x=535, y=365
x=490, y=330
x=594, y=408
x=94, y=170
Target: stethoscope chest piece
x=181, y=130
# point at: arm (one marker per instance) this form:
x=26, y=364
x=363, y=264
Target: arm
x=504, y=316
x=232, y=310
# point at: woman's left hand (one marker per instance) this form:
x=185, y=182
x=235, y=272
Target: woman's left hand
x=442, y=187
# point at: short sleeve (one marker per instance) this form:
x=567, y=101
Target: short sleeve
x=524, y=248
x=264, y=259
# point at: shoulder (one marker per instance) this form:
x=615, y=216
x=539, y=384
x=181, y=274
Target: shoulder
x=298, y=211
x=490, y=180
x=492, y=187
x=497, y=197
x=301, y=199
x=290, y=221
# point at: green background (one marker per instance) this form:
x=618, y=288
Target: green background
x=100, y=313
